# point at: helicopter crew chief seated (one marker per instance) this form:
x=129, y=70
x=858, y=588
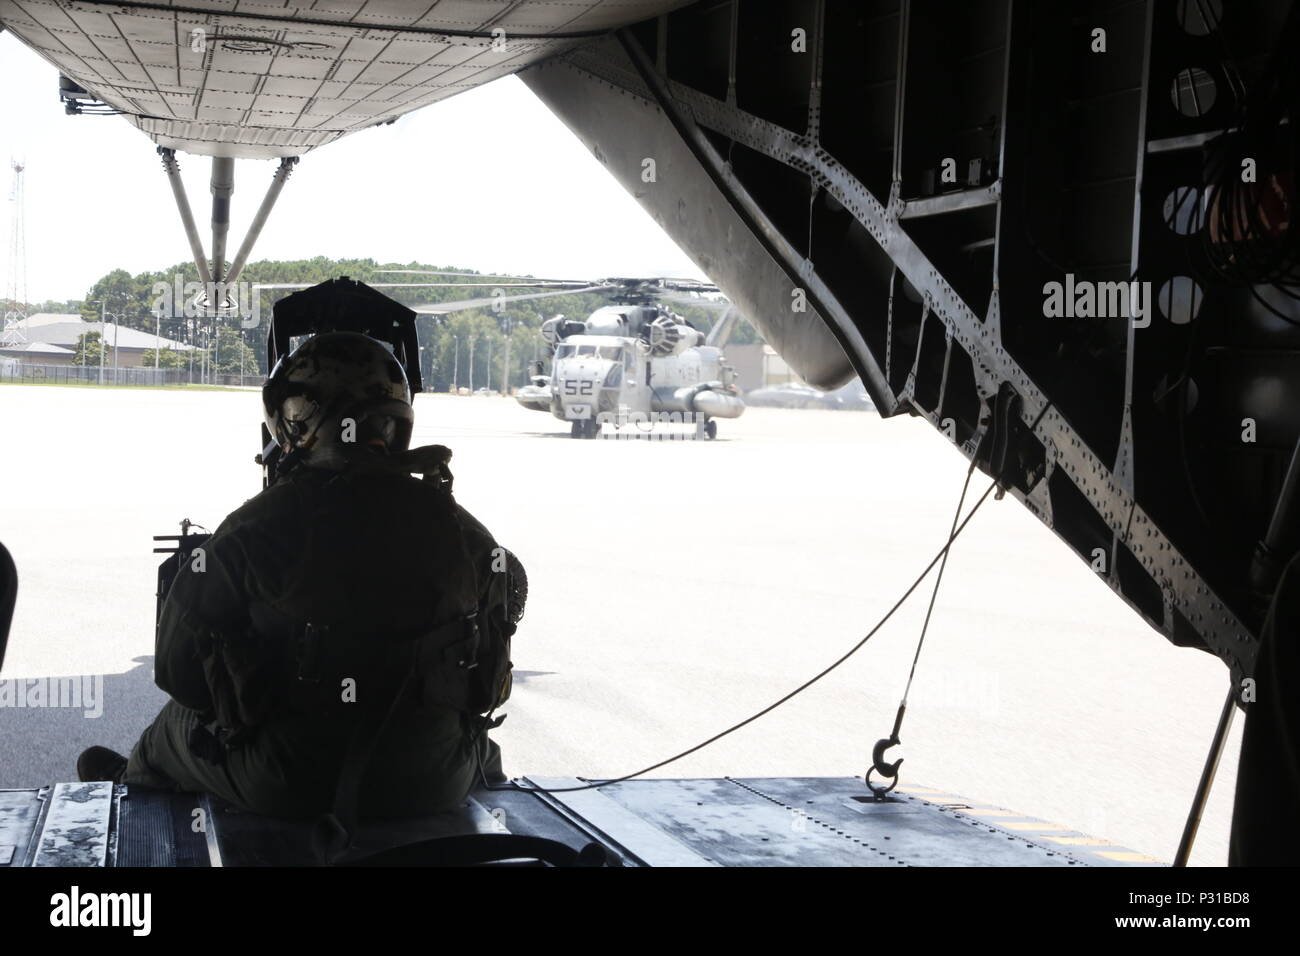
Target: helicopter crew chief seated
x=351, y=622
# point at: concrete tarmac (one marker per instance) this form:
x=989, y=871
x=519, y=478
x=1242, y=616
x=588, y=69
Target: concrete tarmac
x=675, y=588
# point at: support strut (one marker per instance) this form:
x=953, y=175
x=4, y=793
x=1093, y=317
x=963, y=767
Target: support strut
x=794, y=265
x=223, y=187
x=173, y=170
x=1207, y=780
x=268, y=203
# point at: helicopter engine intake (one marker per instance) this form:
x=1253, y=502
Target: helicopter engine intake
x=667, y=337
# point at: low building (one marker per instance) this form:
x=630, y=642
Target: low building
x=38, y=353
x=49, y=318
x=126, y=347
x=757, y=366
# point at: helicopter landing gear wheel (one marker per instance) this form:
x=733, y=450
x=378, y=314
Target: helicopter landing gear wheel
x=584, y=428
x=577, y=429
x=710, y=429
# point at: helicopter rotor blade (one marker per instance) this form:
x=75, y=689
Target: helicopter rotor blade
x=687, y=285
x=714, y=305
x=461, y=305
x=420, y=285
x=480, y=275
x=676, y=290
x=457, y=285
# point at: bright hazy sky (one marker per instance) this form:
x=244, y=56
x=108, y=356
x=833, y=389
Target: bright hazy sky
x=487, y=180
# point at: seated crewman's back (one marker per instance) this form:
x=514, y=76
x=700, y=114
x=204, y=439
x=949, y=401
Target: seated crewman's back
x=347, y=602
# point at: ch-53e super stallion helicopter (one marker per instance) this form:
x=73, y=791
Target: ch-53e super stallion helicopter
x=633, y=363
x=637, y=363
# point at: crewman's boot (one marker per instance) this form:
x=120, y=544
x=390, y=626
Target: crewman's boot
x=100, y=763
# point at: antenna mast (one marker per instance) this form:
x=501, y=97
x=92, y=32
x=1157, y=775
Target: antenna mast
x=11, y=331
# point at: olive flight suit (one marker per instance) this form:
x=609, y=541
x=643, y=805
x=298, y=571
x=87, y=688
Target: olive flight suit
x=255, y=718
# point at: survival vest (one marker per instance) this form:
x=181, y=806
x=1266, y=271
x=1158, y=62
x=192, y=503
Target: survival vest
x=384, y=599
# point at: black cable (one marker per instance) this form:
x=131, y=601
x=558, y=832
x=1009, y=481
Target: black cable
x=1239, y=247
x=770, y=707
x=934, y=594
x=1214, y=217
x=1177, y=390
x=1236, y=85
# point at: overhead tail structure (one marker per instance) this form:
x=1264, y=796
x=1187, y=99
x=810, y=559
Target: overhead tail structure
x=229, y=80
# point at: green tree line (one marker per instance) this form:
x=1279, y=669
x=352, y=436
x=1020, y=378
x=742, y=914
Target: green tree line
x=479, y=347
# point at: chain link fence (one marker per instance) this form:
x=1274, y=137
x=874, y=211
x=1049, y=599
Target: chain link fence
x=12, y=371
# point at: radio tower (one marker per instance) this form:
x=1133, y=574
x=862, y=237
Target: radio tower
x=16, y=290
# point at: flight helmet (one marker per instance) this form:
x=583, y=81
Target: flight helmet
x=337, y=395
